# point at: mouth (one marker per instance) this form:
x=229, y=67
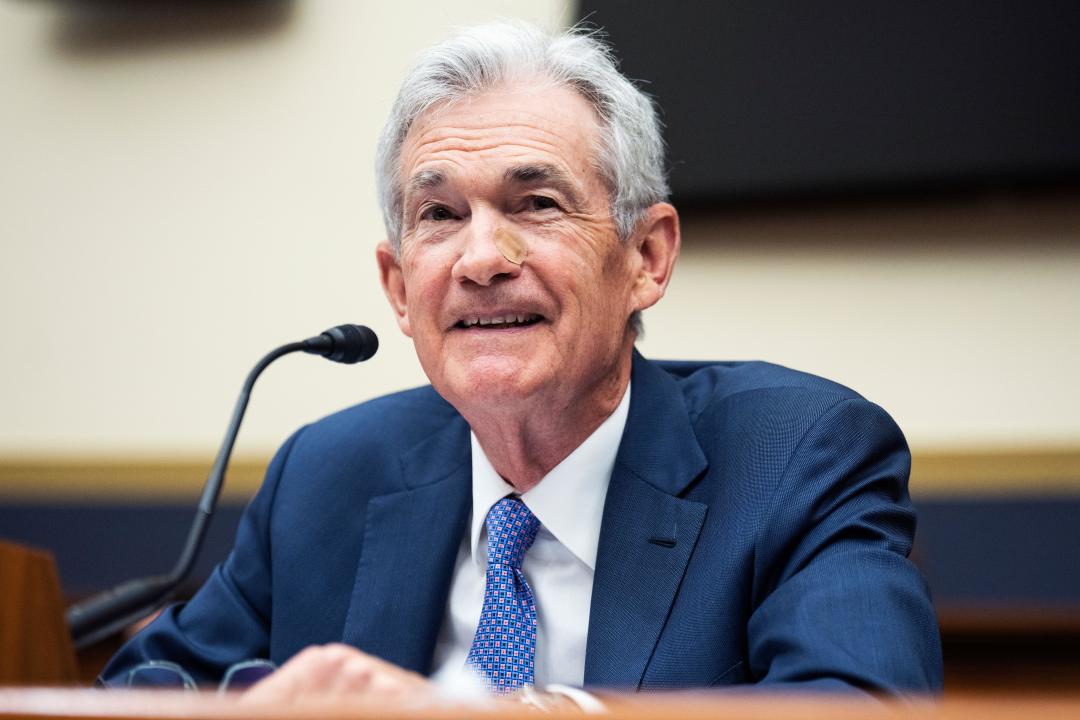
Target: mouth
x=502, y=321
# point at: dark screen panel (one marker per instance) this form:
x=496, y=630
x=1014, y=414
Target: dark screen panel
x=767, y=98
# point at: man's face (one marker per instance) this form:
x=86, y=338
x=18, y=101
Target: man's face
x=511, y=164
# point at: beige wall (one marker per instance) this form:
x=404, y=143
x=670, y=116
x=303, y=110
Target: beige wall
x=173, y=209
x=961, y=318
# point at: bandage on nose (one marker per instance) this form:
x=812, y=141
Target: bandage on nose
x=511, y=246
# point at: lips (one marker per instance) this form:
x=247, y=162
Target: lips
x=498, y=321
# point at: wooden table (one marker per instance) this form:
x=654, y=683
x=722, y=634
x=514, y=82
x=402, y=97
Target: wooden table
x=54, y=704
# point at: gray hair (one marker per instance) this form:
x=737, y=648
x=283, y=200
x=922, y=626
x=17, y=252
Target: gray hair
x=630, y=156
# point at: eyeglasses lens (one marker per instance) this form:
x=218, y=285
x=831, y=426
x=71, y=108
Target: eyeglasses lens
x=159, y=676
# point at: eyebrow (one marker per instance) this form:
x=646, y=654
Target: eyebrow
x=531, y=175
x=544, y=174
x=425, y=180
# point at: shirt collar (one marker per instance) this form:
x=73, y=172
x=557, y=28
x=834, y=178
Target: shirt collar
x=583, y=475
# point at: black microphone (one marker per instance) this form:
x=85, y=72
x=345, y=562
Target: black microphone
x=107, y=612
x=344, y=344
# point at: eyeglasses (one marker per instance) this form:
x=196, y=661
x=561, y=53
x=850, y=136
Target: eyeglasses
x=164, y=674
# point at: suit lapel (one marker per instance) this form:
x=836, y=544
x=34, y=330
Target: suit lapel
x=647, y=534
x=411, y=540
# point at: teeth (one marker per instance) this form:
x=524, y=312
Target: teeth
x=475, y=320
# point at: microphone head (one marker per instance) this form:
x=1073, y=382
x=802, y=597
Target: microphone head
x=350, y=343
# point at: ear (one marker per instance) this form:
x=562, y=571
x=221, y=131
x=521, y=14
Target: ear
x=393, y=283
x=656, y=241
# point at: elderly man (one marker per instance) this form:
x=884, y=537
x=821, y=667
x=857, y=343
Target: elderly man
x=555, y=509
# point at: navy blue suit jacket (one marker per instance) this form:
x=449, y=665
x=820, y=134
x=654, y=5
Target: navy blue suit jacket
x=756, y=529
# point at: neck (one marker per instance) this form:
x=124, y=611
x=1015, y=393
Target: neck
x=525, y=441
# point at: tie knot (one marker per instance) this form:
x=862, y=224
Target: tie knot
x=511, y=529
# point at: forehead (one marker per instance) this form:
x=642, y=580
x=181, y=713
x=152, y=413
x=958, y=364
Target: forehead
x=518, y=124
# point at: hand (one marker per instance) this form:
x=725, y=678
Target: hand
x=339, y=672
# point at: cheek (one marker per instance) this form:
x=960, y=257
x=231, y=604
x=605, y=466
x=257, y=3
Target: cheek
x=426, y=273
x=593, y=292
x=614, y=281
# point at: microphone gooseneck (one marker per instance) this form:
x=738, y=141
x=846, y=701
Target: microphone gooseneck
x=107, y=612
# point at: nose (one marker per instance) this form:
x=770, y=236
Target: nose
x=481, y=261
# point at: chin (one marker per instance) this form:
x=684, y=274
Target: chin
x=489, y=379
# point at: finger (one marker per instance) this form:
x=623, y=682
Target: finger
x=310, y=671
x=338, y=671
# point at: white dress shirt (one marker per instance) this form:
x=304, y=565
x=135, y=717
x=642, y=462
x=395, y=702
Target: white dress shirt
x=559, y=567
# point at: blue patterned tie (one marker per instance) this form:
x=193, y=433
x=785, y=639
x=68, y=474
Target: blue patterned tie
x=505, y=644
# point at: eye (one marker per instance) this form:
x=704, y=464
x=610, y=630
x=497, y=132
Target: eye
x=538, y=203
x=437, y=213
